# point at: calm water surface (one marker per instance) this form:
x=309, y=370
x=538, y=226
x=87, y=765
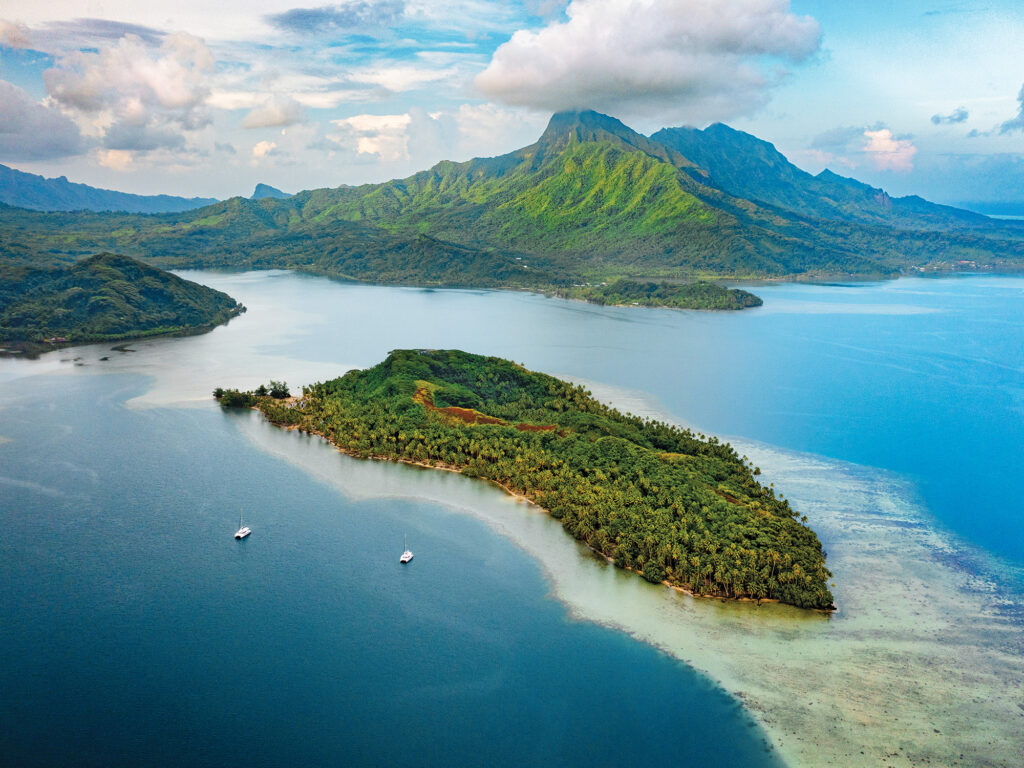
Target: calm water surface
x=137, y=629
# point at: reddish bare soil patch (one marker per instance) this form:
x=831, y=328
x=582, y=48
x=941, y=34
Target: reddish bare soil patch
x=425, y=397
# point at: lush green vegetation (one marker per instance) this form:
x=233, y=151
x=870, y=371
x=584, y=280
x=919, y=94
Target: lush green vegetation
x=697, y=295
x=745, y=166
x=103, y=298
x=592, y=201
x=658, y=499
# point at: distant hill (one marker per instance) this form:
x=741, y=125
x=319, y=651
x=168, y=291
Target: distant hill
x=27, y=190
x=104, y=298
x=590, y=202
x=265, y=190
x=746, y=166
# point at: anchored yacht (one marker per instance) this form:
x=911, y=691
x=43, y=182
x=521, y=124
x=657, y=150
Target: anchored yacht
x=244, y=530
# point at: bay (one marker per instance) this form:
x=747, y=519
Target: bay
x=911, y=388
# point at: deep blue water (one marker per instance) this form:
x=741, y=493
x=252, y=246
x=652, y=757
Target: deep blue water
x=136, y=631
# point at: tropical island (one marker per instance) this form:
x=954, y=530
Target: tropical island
x=102, y=298
x=674, y=506
x=700, y=294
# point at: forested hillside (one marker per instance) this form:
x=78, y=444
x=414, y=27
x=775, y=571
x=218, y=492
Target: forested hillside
x=591, y=201
x=103, y=298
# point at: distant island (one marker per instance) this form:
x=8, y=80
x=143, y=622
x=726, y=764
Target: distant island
x=700, y=294
x=654, y=498
x=102, y=298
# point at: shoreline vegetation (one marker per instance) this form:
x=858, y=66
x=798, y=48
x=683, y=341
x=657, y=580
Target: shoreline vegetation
x=672, y=506
x=100, y=299
x=700, y=294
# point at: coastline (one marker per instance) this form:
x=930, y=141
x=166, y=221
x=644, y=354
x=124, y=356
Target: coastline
x=517, y=496
x=919, y=650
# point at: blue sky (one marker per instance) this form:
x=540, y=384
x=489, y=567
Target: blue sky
x=207, y=99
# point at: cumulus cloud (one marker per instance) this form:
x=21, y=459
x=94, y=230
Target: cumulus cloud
x=383, y=135
x=888, y=152
x=958, y=115
x=353, y=14
x=701, y=60
x=277, y=112
x=1015, y=123
x=851, y=145
x=33, y=131
x=116, y=159
x=263, y=148
x=134, y=92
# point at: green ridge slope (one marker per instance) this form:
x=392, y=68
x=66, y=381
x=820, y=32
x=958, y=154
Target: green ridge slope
x=591, y=201
x=103, y=298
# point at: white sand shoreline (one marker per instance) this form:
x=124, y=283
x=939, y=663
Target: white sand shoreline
x=920, y=667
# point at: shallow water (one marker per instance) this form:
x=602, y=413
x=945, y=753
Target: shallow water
x=928, y=636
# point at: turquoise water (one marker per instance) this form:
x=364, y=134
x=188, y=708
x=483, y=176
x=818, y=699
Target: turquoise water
x=923, y=377
x=137, y=629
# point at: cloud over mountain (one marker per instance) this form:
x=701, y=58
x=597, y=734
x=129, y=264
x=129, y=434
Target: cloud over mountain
x=700, y=60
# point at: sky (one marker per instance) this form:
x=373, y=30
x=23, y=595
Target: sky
x=208, y=98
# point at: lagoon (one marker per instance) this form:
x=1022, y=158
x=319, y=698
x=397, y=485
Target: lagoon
x=888, y=413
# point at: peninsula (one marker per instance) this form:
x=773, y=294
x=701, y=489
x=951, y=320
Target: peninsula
x=674, y=506
x=102, y=298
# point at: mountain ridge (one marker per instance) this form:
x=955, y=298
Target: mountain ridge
x=743, y=164
x=35, y=192
x=590, y=201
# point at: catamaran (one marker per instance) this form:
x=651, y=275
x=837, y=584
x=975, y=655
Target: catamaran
x=407, y=555
x=243, y=530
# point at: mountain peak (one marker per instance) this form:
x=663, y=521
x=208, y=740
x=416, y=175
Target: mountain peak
x=585, y=125
x=265, y=190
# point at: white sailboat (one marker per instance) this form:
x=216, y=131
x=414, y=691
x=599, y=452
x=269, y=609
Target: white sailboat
x=243, y=530
x=407, y=555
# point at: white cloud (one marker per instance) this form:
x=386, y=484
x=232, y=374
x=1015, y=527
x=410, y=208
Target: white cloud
x=116, y=159
x=276, y=112
x=488, y=129
x=399, y=79
x=382, y=135
x=263, y=148
x=33, y=131
x=135, y=89
x=887, y=152
x=14, y=35
x=701, y=60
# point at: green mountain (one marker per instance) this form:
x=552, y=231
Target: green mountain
x=590, y=202
x=265, y=190
x=660, y=500
x=28, y=190
x=747, y=166
x=103, y=298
